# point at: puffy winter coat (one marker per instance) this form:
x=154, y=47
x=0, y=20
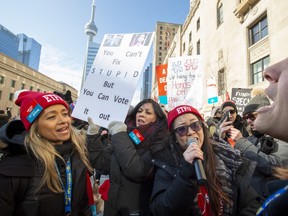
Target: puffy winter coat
x=20, y=175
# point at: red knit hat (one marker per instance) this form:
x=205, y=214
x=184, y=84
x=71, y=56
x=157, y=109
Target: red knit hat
x=180, y=110
x=33, y=103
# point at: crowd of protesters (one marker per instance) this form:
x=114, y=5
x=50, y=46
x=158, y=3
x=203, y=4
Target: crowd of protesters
x=158, y=161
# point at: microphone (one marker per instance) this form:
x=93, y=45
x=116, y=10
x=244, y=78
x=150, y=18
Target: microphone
x=200, y=173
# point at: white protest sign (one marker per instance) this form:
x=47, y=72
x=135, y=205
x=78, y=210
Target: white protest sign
x=109, y=88
x=185, y=81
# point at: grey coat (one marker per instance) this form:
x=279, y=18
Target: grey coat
x=267, y=156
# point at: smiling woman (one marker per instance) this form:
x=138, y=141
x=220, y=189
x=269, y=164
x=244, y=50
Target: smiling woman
x=55, y=150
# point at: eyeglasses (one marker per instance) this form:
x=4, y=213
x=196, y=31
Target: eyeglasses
x=183, y=130
x=251, y=116
x=231, y=111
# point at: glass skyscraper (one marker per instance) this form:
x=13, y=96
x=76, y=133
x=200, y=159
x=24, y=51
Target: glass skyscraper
x=29, y=51
x=91, y=54
x=20, y=47
x=8, y=43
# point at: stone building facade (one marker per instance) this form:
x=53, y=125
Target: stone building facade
x=15, y=76
x=236, y=40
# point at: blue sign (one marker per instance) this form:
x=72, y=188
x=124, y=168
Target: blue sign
x=213, y=100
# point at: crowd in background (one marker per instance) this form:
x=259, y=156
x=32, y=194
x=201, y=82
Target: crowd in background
x=158, y=161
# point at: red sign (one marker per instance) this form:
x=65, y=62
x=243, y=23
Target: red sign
x=161, y=74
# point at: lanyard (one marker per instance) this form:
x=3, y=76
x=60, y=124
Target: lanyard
x=68, y=188
x=270, y=199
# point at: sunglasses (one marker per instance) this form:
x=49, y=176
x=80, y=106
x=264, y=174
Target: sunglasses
x=251, y=116
x=183, y=130
x=231, y=111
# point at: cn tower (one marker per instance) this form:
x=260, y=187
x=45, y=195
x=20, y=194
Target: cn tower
x=92, y=47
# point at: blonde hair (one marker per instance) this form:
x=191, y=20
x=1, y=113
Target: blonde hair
x=45, y=152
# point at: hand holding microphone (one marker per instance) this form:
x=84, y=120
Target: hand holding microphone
x=200, y=172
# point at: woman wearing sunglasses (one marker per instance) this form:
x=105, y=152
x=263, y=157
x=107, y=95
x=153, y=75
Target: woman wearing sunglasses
x=235, y=121
x=176, y=187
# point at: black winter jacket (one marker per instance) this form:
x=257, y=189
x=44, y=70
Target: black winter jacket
x=131, y=173
x=175, y=189
x=18, y=196
x=268, y=153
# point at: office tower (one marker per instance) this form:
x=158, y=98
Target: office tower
x=165, y=33
x=147, y=83
x=92, y=47
x=8, y=43
x=20, y=47
x=29, y=51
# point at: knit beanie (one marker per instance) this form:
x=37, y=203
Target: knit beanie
x=259, y=100
x=180, y=110
x=229, y=103
x=33, y=103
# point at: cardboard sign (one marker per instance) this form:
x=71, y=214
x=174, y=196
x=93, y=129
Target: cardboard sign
x=109, y=88
x=185, y=81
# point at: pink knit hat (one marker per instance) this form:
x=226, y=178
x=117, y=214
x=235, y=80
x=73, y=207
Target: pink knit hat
x=180, y=110
x=33, y=103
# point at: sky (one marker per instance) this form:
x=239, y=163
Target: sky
x=58, y=25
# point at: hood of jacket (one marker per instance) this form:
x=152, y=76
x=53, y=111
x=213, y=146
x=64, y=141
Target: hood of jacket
x=13, y=133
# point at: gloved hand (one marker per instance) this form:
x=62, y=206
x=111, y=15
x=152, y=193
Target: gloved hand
x=92, y=128
x=116, y=127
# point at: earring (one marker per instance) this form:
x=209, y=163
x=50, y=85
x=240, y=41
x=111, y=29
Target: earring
x=38, y=135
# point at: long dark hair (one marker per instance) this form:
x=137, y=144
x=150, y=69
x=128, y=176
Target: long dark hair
x=210, y=161
x=159, y=134
x=156, y=107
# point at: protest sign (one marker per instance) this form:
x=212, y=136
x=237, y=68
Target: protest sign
x=241, y=96
x=185, y=81
x=109, y=88
x=161, y=75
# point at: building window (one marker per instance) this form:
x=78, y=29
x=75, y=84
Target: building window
x=198, y=47
x=160, y=59
x=184, y=47
x=13, y=83
x=23, y=86
x=198, y=24
x=2, y=79
x=31, y=88
x=160, y=38
x=0, y=95
x=258, y=31
x=220, y=13
x=190, y=36
x=257, y=69
x=11, y=96
x=161, y=27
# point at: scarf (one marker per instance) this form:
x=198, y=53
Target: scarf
x=148, y=131
x=228, y=161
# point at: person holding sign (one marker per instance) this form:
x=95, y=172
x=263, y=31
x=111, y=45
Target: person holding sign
x=182, y=187
x=135, y=143
x=52, y=176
